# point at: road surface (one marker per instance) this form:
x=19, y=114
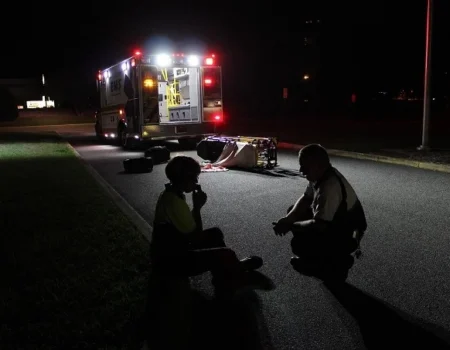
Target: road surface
x=397, y=294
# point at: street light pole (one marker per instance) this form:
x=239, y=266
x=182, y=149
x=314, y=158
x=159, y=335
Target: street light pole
x=427, y=88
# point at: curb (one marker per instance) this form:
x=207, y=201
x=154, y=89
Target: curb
x=444, y=168
x=135, y=218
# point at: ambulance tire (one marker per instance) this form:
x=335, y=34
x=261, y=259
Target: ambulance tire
x=122, y=138
x=98, y=134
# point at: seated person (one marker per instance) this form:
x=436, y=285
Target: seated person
x=324, y=220
x=180, y=246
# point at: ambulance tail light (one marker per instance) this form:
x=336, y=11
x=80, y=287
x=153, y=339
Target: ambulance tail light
x=209, y=61
x=208, y=82
x=217, y=118
x=122, y=114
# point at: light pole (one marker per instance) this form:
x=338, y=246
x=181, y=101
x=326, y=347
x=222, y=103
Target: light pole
x=43, y=90
x=427, y=88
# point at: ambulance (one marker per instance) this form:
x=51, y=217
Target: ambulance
x=160, y=97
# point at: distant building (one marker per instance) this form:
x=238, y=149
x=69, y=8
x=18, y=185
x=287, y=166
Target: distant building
x=28, y=93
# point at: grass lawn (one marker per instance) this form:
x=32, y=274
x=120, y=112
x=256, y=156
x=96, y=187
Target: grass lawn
x=73, y=268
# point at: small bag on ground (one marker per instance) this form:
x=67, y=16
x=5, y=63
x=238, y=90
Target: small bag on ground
x=138, y=165
x=211, y=149
x=159, y=154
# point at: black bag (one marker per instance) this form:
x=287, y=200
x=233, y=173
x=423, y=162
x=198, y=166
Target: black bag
x=159, y=154
x=138, y=165
x=211, y=148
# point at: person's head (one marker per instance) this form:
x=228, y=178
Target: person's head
x=183, y=172
x=314, y=161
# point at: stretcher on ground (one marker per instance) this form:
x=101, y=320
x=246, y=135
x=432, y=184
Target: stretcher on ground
x=239, y=151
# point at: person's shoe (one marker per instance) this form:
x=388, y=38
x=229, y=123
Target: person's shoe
x=251, y=263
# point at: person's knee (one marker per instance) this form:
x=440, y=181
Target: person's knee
x=297, y=246
x=306, y=243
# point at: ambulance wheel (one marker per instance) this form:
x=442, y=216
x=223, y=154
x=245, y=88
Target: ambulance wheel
x=126, y=142
x=97, y=132
x=122, y=139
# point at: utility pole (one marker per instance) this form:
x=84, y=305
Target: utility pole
x=427, y=88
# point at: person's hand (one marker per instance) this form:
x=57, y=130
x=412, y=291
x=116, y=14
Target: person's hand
x=282, y=226
x=199, y=197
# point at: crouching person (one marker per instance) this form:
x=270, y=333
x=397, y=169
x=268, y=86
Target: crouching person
x=324, y=220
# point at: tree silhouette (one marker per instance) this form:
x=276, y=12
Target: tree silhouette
x=8, y=105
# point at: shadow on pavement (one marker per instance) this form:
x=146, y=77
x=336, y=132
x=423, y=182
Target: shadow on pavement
x=239, y=324
x=185, y=318
x=384, y=327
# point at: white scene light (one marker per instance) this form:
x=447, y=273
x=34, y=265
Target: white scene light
x=163, y=60
x=193, y=60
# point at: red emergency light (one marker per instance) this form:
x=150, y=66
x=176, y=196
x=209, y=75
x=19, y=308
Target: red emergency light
x=209, y=61
x=208, y=81
x=137, y=53
x=217, y=118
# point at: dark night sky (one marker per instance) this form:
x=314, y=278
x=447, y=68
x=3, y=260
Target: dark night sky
x=384, y=39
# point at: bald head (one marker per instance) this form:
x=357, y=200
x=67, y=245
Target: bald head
x=314, y=152
x=314, y=161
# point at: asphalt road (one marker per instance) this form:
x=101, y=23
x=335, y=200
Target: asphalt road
x=397, y=295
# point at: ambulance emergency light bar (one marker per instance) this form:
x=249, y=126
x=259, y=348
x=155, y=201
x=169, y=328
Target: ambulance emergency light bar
x=165, y=60
x=162, y=60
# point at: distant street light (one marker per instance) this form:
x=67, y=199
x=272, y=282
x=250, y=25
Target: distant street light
x=306, y=77
x=427, y=88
